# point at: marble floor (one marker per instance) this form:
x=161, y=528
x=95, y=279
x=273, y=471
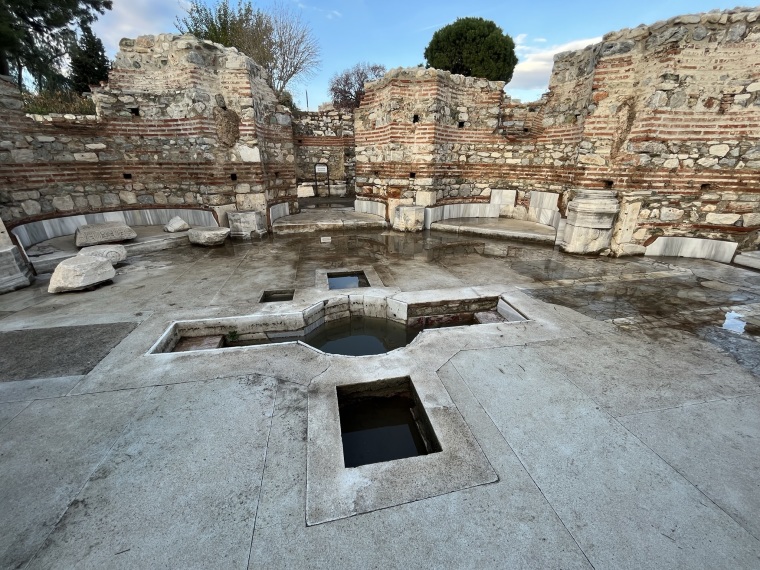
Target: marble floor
x=617, y=427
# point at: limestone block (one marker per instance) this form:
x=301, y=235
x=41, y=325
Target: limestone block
x=720, y=150
x=425, y=197
x=593, y=159
x=723, y=219
x=80, y=272
x=5, y=239
x=593, y=209
x=243, y=224
x=86, y=156
x=671, y=214
x=519, y=212
x=15, y=272
x=626, y=225
x=305, y=190
x=750, y=220
x=630, y=249
x=176, y=224
x=409, y=218
x=112, y=252
x=578, y=239
x=249, y=154
x=337, y=190
x=128, y=197
x=248, y=202
x=208, y=235
x=107, y=232
x=31, y=207
x=222, y=212
x=590, y=217
x=393, y=203
x=63, y=203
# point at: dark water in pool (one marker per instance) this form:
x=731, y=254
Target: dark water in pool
x=360, y=336
x=347, y=280
x=379, y=429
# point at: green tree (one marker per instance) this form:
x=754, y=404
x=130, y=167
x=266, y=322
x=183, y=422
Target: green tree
x=89, y=64
x=286, y=98
x=36, y=34
x=347, y=88
x=277, y=39
x=241, y=27
x=474, y=47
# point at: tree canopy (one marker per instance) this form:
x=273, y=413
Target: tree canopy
x=89, y=64
x=242, y=27
x=474, y=47
x=36, y=34
x=276, y=39
x=347, y=88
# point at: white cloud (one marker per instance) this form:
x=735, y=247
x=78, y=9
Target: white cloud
x=132, y=18
x=535, y=63
x=326, y=12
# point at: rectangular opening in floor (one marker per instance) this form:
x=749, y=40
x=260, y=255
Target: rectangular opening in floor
x=277, y=295
x=383, y=421
x=347, y=279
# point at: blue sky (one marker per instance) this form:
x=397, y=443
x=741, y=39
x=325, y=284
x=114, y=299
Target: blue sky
x=395, y=33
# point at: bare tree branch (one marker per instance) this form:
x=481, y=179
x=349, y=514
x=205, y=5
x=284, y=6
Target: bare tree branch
x=347, y=88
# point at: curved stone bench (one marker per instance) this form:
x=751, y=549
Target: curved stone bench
x=698, y=248
x=42, y=230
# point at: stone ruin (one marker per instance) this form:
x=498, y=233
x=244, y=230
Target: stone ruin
x=652, y=134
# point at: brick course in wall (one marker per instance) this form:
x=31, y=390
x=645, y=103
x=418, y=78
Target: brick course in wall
x=181, y=123
x=668, y=115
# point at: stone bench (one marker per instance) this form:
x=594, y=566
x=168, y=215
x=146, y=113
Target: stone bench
x=108, y=232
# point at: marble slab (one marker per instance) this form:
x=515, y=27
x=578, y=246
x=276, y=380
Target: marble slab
x=699, y=248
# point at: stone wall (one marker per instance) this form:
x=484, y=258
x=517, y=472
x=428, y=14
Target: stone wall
x=181, y=123
x=667, y=115
x=325, y=137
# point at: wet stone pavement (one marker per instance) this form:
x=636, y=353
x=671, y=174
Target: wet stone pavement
x=617, y=427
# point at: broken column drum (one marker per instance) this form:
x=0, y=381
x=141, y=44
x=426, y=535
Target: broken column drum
x=590, y=218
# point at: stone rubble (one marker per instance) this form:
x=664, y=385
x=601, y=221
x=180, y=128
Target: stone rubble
x=107, y=232
x=80, y=272
x=176, y=224
x=208, y=236
x=112, y=252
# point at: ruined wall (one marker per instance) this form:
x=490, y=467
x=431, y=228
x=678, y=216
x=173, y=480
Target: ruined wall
x=426, y=129
x=325, y=137
x=668, y=115
x=421, y=129
x=674, y=113
x=181, y=122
